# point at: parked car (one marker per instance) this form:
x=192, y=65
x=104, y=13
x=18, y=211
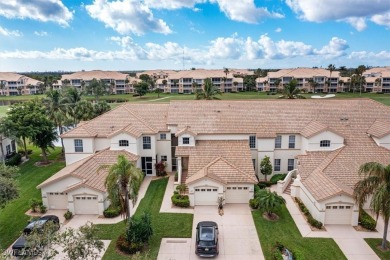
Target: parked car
x=40, y=223
x=19, y=247
x=206, y=244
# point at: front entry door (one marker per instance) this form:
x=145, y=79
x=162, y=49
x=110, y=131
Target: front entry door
x=147, y=165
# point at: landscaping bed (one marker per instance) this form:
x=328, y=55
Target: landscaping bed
x=164, y=224
x=285, y=231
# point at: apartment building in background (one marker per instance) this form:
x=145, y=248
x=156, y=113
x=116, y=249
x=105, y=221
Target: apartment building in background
x=13, y=84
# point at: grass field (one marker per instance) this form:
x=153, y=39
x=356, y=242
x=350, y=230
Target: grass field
x=286, y=232
x=12, y=217
x=164, y=224
x=373, y=243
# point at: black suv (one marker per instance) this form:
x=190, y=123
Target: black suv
x=206, y=244
x=19, y=247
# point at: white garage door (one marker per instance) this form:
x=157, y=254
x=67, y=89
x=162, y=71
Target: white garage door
x=86, y=204
x=57, y=200
x=237, y=194
x=206, y=196
x=338, y=214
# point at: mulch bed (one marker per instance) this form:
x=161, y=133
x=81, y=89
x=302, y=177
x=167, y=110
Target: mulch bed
x=362, y=229
x=272, y=217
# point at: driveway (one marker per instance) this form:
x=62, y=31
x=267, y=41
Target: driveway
x=237, y=235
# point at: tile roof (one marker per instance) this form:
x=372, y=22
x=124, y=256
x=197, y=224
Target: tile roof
x=314, y=128
x=302, y=73
x=379, y=129
x=97, y=74
x=90, y=170
x=185, y=130
x=132, y=118
x=228, y=160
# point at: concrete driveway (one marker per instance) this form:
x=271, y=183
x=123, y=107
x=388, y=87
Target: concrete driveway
x=237, y=235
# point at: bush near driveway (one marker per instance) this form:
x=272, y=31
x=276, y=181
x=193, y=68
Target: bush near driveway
x=286, y=232
x=13, y=218
x=164, y=224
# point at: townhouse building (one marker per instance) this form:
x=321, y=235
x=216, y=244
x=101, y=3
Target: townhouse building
x=377, y=80
x=117, y=82
x=216, y=148
x=13, y=84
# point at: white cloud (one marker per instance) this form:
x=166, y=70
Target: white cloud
x=40, y=33
x=351, y=11
x=230, y=48
x=382, y=19
x=226, y=48
x=369, y=56
x=335, y=48
x=127, y=16
x=244, y=11
x=6, y=32
x=41, y=10
x=278, y=30
x=172, y=4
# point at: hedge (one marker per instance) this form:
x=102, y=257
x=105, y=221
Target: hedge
x=312, y=221
x=366, y=220
x=254, y=204
x=180, y=200
x=277, y=177
x=111, y=212
x=14, y=160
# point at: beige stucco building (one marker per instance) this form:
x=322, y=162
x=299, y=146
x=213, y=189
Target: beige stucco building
x=13, y=84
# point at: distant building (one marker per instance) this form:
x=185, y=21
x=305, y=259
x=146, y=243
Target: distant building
x=13, y=84
x=377, y=80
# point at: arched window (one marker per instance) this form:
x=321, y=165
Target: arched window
x=325, y=143
x=123, y=142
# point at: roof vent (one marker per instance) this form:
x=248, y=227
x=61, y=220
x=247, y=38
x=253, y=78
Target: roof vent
x=343, y=118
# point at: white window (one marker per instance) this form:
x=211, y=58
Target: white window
x=290, y=164
x=252, y=141
x=163, y=136
x=123, y=142
x=277, y=165
x=325, y=143
x=186, y=140
x=164, y=158
x=147, y=143
x=78, y=145
x=278, y=141
x=291, y=141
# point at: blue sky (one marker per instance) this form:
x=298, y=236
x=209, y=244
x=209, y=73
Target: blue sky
x=54, y=35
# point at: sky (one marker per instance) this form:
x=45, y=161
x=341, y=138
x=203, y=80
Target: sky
x=70, y=35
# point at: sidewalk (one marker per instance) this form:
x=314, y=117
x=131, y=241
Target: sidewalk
x=350, y=241
x=166, y=205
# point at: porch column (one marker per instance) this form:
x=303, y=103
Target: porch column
x=179, y=169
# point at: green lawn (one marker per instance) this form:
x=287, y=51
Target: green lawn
x=164, y=224
x=373, y=243
x=12, y=217
x=286, y=232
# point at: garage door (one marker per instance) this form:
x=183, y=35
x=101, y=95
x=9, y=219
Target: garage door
x=206, y=196
x=237, y=194
x=86, y=204
x=57, y=200
x=338, y=214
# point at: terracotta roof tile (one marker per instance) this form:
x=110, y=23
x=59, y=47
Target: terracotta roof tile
x=379, y=129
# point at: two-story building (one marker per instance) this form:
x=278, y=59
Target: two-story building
x=13, y=84
x=216, y=148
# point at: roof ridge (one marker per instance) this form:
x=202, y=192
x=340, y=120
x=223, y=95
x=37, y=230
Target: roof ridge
x=140, y=119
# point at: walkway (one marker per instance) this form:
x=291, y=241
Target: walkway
x=166, y=205
x=350, y=241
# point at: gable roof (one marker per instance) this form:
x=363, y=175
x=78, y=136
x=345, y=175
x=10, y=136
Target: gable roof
x=314, y=128
x=185, y=130
x=379, y=129
x=90, y=170
x=230, y=161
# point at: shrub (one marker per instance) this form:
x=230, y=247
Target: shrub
x=182, y=201
x=264, y=184
x=257, y=189
x=34, y=204
x=160, y=168
x=312, y=221
x=139, y=229
x=42, y=208
x=366, y=220
x=68, y=215
x=261, y=186
x=176, y=176
x=277, y=177
x=127, y=247
x=181, y=188
x=14, y=160
x=254, y=204
x=112, y=212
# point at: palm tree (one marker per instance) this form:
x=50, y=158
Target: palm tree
x=331, y=68
x=291, y=91
x=269, y=201
x=194, y=87
x=277, y=83
x=313, y=84
x=376, y=184
x=226, y=71
x=73, y=98
x=2, y=87
x=209, y=91
x=57, y=107
x=122, y=183
x=359, y=72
